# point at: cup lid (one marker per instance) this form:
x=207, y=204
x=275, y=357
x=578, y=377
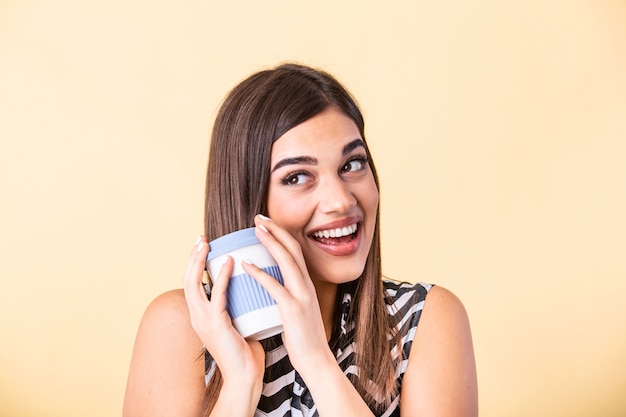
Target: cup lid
x=231, y=241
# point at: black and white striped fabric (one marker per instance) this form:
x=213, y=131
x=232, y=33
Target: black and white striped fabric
x=285, y=393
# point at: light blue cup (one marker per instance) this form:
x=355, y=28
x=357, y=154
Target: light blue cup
x=253, y=311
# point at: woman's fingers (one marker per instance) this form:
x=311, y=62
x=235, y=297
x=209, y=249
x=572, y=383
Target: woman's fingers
x=237, y=358
x=220, y=284
x=304, y=330
x=282, y=246
x=192, y=281
x=195, y=294
x=281, y=236
x=298, y=289
x=267, y=281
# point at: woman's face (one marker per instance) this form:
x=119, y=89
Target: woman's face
x=322, y=191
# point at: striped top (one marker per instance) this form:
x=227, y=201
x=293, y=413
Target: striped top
x=285, y=393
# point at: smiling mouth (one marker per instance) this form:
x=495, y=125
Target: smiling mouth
x=337, y=236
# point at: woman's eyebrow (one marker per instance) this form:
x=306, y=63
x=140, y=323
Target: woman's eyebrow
x=352, y=146
x=308, y=160
x=298, y=160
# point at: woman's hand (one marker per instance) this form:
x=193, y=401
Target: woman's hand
x=304, y=333
x=241, y=362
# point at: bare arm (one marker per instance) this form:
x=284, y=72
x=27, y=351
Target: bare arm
x=166, y=375
x=167, y=369
x=440, y=380
x=333, y=392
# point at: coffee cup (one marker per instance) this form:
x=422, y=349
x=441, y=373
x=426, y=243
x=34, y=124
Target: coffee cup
x=252, y=309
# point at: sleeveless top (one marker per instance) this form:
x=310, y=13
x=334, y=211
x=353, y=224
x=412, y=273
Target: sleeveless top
x=285, y=393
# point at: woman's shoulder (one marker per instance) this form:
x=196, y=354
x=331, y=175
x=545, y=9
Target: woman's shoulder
x=166, y=371
x=165, y=331
x=170, y=304
x=444, y=306
x=168, y=316
x=446, y=366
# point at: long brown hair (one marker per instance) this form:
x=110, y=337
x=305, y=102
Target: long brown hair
x=254, y=114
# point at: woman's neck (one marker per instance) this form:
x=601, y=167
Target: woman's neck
x=326, y=296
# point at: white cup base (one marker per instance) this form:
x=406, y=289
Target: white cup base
x=259, y=324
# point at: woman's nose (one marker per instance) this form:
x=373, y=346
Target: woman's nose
x=336, y=196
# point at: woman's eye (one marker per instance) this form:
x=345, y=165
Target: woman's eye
x=295, y=178
x=355, y=164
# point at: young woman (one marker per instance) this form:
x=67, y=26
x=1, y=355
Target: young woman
x=288, y=156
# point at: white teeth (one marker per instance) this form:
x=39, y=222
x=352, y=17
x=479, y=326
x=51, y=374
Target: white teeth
x=338, y=232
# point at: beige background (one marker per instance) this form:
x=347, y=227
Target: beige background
x=499, y=129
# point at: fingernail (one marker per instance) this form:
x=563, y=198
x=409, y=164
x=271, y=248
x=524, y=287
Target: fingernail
x=198, y=240
x=249, y=262
x=264, y=217
x=200, y=246
x=263, y=228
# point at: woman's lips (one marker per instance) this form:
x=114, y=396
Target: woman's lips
x=337, y=232
x=338, y=241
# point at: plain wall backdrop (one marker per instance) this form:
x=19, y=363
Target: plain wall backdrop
x=498, y=128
